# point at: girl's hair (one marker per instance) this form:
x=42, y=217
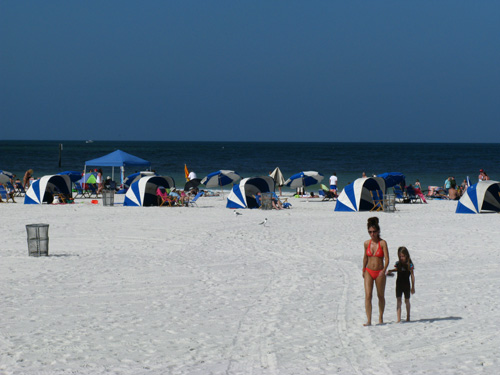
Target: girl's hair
x=373, y=223
x=406, y=253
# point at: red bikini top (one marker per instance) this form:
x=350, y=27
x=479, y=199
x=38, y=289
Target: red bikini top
x=379, y=253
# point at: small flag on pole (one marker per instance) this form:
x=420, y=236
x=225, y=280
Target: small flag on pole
x=186, y=172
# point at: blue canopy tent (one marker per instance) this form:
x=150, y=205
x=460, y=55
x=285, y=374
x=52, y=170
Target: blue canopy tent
x=73, y=175
x=392, y=179
x=117, y=158
x=243, y=194
x=481, y=197
x=357, y=197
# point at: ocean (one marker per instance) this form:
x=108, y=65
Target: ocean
x=431, y=163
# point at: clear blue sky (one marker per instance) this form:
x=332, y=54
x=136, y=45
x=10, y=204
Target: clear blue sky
x=411, y=71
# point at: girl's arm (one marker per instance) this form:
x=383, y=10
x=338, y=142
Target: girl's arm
x=412, y=282
x=391, y=271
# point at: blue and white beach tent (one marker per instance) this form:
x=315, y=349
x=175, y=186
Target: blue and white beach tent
x=357, y=197
x=143, y=192
x=242, y=195
x=481, y=197
x=129, y=180
x=41, y=190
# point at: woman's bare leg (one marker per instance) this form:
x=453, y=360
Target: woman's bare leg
x=380, y=283
x=368, y=298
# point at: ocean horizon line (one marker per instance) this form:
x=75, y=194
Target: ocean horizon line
x=246, y=142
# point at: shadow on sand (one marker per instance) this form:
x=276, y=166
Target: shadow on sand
x=432, y=320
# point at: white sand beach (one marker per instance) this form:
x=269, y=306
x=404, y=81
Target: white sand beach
x=153, y=290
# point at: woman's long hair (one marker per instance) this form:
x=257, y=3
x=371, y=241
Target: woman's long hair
x=406, y=253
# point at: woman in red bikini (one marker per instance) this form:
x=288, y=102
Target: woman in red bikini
x=375, y=263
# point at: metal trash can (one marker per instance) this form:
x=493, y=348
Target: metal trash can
x=108, y=197
x=266, y=201
x=389, y=203
x=38, y=239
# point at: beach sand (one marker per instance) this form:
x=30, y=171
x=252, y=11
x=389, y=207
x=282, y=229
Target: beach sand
x=150, y=290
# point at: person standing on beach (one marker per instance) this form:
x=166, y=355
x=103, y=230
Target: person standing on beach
x=333, y=183
x=375, y=263
x=26, y=179
x=481, y=175
x=99, y=181
x=404, y=268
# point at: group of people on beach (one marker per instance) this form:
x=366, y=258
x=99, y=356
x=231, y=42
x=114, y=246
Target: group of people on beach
x=375, y=270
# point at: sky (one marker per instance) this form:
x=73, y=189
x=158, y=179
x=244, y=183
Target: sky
x=318, y=71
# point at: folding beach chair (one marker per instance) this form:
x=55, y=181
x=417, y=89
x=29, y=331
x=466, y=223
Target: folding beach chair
x=163, y=197
x=20, y=192
x=192, y=202
x=6, y=195
x=92, y=191
x=80, y=193
x=378, y=200
x=56, y=193
x=412, y=195
x=399, y=194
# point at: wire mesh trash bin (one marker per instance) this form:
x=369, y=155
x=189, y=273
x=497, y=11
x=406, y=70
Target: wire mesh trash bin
x=266, y=201
x=38, y=239
x=108, y=197
x=389, y=203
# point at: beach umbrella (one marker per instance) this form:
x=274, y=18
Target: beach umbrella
x=88, y=178
x=220, y=178
x=195, y=182
x=74, y=176
x=304, y=179
x=5, y=177
x=277, y=176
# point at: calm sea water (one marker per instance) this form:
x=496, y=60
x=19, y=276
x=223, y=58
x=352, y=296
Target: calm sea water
x=431, y=163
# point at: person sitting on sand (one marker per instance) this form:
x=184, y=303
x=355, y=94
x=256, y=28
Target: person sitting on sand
x=375, y=263
x=277, y=205
x=453, y=194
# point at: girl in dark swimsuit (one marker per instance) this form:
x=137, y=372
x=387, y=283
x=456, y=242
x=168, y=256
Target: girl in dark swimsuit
x=404, y=268
x=375, y=263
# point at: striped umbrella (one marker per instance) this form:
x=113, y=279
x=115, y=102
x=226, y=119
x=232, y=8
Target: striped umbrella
x=304, y=179
x=220, y=178
x=5, y=177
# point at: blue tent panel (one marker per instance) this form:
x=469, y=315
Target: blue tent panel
x=233, y=203
x=462, y=209
x=117, y=158
x=392, y=178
